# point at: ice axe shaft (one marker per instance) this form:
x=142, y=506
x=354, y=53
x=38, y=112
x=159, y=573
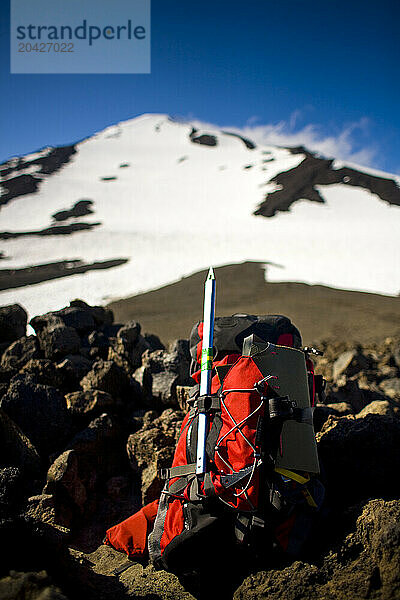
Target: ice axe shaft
x=206, y=367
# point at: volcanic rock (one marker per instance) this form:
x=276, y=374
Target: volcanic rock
x=57, y=341
x=44, y=371
x=78, y=318
x=40, y=411
x=391, y=387
x=128, y=347
x=101, y=450
x=42, y=513
x=99, y=345
x=16, y=449
x=89, y=404
x=72, y=369
x=364, y=566
x=11, y=489
x=20, y=352
x=341, y=408
x=321, y=414
x=348, y=391
x=65, y=484
x=32, y=585
x=102, y=317
x=96, y=579
x=359, y=457
x=379, y=407
x=13, y=321
x=164, y=388
x=349, y=363
x=150, y=449
x=167, y=370
x=108, y=377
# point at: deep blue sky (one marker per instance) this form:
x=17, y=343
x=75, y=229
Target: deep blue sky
x=225, y=62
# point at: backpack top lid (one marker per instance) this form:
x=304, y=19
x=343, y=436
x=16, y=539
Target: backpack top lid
x=230, y=332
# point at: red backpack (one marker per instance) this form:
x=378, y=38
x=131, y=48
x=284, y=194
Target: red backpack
x=258, y=489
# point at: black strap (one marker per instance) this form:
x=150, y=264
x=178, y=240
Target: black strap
x=209, y=489
x=207, y=403
x=126, y=565
x=179, y=471
x=285, y=409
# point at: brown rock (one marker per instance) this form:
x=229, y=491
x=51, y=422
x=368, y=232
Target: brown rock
x=33, y=585
x=391, y=387
x=20, y=352
x=108, y=377
x=341, y=408
x=365, y=565
x=16, y=448
x=13, y=321
x=42, y=509
x=359, y=457
x=182, y=396
x=89, y=403
x=58, y=340
x=349, y=363
x=64, y=482
x=148, y=450
x=378, y=407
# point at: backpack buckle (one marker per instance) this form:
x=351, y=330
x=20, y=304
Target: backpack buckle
x=281, y=408
x=205, y=404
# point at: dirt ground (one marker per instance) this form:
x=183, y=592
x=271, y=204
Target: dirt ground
x=320, y=312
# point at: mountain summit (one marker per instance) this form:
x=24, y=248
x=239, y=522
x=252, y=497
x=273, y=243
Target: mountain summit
x=150, y=200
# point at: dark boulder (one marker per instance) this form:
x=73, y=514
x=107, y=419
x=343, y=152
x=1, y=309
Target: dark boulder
x=17, y=450
x=58, y=341
x=40, y=411
x=99, y=344
x=78, y=318
x=350, y=363
x=108, y=377
x=66, y=485
x=33, y=585
x=359, y=457
x=13, y=321
x=20, y=352
x=103, y=317
x=43, y=371
x=72, y=369
x=152, y=448
x=363, y=566
x=89, y=404
x=100, y=449
x=11, y=490
x=348, y=391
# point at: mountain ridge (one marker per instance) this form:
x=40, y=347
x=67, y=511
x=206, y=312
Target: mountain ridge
x=169, y=198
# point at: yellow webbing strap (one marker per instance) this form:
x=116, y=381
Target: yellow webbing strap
x=310, y=500
x=292, y=475
x=300, y=479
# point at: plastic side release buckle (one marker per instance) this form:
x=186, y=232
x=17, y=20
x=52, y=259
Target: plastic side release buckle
x=205, y=404
x=281, y=408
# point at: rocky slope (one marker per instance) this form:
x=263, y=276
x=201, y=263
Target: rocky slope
x=91, y=409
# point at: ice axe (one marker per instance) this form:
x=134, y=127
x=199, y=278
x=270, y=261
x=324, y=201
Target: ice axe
x=206, y=367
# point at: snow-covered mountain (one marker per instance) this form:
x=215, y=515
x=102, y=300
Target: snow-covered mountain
x=149, y=200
